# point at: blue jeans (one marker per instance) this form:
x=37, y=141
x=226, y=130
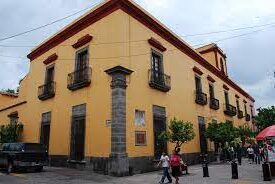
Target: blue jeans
x=166, y=174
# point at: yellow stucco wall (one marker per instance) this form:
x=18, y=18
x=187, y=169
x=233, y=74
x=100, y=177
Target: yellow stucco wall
x=118, y=39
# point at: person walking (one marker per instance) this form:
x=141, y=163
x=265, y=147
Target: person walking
x=239, y=151
x=164, y=161
x=175, y=163
x=250, y=152
x=256, y=153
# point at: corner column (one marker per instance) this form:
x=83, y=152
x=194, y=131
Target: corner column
x=118, y=160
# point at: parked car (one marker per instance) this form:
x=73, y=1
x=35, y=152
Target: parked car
x=23, y=156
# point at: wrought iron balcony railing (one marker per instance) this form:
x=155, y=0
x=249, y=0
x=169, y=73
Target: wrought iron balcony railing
x=79, y=78
x=240, y=114
x=230, y=110
x=200, y=98
x=214, y=103
x=46, y=91
x=159, y=80
x=247, y=117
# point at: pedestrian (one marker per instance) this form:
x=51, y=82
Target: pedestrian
x=250, y=152
x=175, y=163
x=262, y=154
x=164, y=161
x=239, y=151
x=256, y=150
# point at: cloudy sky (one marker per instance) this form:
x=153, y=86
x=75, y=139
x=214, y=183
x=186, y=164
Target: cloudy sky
x=250, y=52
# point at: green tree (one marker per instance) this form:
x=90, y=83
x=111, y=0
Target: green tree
x=221, y=132
x=245, y=132
x=265, y=117
x=9, y=90
x=178, y=132
x=10, y=132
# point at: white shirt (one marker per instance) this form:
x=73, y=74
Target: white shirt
x=250, y=150
x=164, y=161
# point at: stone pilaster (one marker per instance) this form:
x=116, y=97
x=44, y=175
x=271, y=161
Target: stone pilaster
x=118, y=162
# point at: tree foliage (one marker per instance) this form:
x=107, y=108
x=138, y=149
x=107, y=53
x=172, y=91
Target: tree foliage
x=178, y=132
x=10, y=133
x=244, y=133
x=9, y=91
x=265, y=117
x=221, y=132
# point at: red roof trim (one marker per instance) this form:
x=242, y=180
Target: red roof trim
x=50, y=59
x=82, y=41
x=225, y=87
x=142, y=17
x=210, y=78
x=197, y=70
x=155, y=43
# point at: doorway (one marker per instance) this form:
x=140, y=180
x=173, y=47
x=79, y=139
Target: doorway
x=159, y=145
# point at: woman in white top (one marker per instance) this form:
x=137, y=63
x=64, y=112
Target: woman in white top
x=250, y=152
x=165, y=162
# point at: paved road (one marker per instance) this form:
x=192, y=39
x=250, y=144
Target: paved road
x=219, y=174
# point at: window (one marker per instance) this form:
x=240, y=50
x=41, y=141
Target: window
x=226, y=97
x=49, y=74
x=198, y=84
x=211, y=91
x=238, y=104
x=139, y=118
x=13, y=118
x=140, y=138
x=157, y=62
x=82, y=59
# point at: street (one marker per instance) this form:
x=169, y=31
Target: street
x=219, y=174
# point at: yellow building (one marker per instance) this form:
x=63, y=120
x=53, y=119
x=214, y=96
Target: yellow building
x=99, y=91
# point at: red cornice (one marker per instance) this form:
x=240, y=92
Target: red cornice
x=12, y=106
x=225, y=87
x=50, y=59
x=210, y=78
x=155, y=43
x=142, y=17
x=82, y=41
x=197, y=70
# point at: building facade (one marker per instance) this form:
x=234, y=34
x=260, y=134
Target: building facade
x=100, y=91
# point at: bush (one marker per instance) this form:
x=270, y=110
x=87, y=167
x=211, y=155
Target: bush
x=10, y=132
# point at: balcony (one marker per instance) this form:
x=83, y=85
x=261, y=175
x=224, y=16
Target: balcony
x=214, y=103
x=46, y=91
x=159, y=81
x=230, y=110
x=240, y=114
x=79, y=79
x=247, y=117
x=201, y=98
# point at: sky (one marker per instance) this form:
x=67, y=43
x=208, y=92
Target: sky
x=250, y=52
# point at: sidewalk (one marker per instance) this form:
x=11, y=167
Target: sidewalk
x=219, y=174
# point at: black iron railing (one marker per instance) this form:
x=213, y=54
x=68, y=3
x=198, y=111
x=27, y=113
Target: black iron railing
x=46, y=91
x=230, y=110
x=159, y=80
x=214, y=103
x=79, y=78
x=200, y=98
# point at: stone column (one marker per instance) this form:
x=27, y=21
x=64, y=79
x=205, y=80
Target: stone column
x=118, y=161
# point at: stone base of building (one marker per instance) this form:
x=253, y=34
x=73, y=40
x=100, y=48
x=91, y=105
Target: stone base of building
x=135, y=165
